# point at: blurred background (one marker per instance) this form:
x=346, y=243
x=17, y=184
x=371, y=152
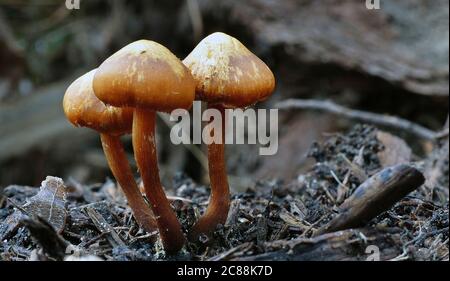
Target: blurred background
x=394, y=60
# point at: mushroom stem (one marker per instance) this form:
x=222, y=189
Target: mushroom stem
x=146, y=159
x=217, y=210
x=118, y=163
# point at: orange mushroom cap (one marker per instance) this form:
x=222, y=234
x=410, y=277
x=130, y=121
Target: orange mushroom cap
x=227, y=72
x=145, y=74
x=84, y=109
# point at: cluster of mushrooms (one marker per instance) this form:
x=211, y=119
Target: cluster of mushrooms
x=123, y=95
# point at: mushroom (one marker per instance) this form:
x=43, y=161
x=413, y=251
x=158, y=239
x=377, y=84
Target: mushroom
x=228, y=75
x=148, y=77
x=84, y=109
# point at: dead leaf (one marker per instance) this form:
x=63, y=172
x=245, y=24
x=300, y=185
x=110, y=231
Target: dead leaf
x=395, y=151
x=49, y=203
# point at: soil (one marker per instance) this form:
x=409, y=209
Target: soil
x=272, y=219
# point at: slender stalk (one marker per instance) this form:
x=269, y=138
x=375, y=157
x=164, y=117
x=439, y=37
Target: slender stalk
x=217, y=210
x=118, y=163
x=146, y=159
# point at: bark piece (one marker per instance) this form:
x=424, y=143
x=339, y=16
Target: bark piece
x=389, y=43
x=376, y=195
x=44, y=233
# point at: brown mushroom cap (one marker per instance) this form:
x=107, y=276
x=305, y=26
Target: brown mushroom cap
x=84, y=109
x=145, y=74
x=228, y=73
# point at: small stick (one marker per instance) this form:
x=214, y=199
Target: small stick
x=364, y=116
x=226, y=255
x=104, y=227
x=311, y=227
x=147, y=235
x=91, y=205
x=376, y=195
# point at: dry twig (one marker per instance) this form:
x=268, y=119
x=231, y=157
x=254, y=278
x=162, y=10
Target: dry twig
x=104, y=227
x=369, y=117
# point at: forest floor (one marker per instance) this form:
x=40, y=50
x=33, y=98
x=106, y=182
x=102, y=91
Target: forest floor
x=272, y=220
